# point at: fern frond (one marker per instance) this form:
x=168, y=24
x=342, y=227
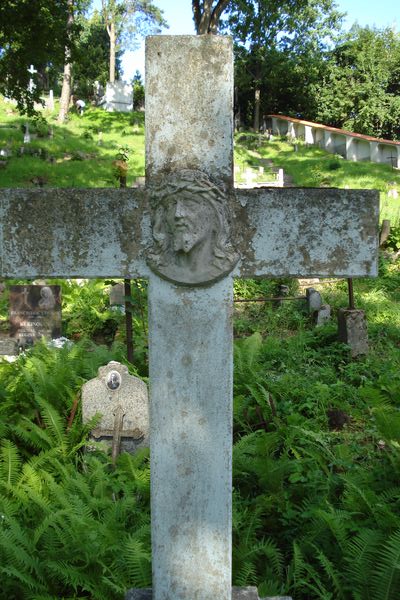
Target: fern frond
x=332, y=574
x=10, y=463
x=138, y=562
x=385, y=580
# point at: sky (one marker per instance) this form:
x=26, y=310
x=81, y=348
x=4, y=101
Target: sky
x=178, y=13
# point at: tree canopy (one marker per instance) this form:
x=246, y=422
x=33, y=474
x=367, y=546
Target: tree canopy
x=279, y=46
x=125, y=20
x=31, y=32
x=360, y=84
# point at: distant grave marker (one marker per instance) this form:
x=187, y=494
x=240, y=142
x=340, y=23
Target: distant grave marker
x=122, y=400
x=35, y=312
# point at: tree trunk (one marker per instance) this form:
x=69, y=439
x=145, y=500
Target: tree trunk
x=112, y=51
x=65, y=93
x=257, y=95
x=67, y=76
x=206, y=17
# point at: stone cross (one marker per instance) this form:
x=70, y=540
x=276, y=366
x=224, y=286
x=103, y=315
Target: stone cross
x=190, y=234
x=31, y=85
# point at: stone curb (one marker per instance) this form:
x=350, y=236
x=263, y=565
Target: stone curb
x=238, y=593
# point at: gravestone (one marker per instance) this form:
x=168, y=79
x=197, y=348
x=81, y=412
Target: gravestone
x=35, y=312
x=27, y=135
x=352, y=330
x=118, y=97
x=323, y=315
x=189, y=232
x=117, y=295
x=8, y=346
x=122, y=400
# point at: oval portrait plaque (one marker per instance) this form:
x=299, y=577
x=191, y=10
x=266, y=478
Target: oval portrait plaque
x=113, y=380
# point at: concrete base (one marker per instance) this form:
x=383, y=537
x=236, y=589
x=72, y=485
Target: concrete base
x=238, y=593
x=352, y=330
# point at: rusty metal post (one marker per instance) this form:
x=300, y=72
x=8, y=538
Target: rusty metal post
x=128, y=319
x=351, y=293
x=127, y=294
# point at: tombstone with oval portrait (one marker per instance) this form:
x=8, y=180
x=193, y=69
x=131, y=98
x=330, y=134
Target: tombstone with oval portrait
x=122, y=401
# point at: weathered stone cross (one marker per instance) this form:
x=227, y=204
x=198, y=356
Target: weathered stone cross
x=190, y=234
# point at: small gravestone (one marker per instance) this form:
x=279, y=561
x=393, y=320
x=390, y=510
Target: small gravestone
x=35, y=312
x=8, y=346
x=314, y=300
x=122, y=402
x=323, y=315
x=352, y=330
x=118, y=96
x=117, y=295
x=27, y=135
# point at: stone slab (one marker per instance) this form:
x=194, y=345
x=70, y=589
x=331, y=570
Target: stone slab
x=105, y=233
x=190, y=357
x=352, y=330
x=189, y=116
x=114, y=387
x=8, y=346
x=118, y=97
x=308, y=232
x=117, y=295
x=238, y=593
x=73, y=233
x=314, y=300
x=323, y=315
x=35, y=312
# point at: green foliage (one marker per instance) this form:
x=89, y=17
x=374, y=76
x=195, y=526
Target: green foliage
x=94, y=138
x=359, y=84
x=35, y=35
x=393, y=240
x=311, y=167
x=280, y=49
x=138, y=91
x=70, y=525
x=91, y=57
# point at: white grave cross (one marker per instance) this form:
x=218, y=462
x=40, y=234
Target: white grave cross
x=196, y=235
x=31, y=85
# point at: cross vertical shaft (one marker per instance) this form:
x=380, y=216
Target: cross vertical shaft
x=189, y=126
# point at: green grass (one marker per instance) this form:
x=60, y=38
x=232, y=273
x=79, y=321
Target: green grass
x=310, y=166
x=79, y=153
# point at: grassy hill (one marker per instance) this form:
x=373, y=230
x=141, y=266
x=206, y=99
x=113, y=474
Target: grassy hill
x=81, y=153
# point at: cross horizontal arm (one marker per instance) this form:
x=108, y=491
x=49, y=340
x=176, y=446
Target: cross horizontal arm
x=307, y=232
x=73, y=233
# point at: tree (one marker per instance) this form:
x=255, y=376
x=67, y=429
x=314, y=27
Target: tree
x=206, y=15
x=91, y=58
x=125, y=19
x=359, y=89
x=277, y=34
x=67, y=73
x=31, y=32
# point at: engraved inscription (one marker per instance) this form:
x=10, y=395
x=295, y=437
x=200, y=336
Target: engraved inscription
x=191, y=226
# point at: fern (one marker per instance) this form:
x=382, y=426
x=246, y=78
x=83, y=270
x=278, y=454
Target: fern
x=385, y=578
x=138, y=562
x=10, y=463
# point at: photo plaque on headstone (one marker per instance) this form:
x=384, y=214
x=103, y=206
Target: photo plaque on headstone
x=35, y=312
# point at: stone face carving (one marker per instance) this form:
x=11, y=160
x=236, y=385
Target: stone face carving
x=191, y=227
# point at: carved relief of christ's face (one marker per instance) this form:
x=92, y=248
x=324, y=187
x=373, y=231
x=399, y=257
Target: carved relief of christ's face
x=191, y=226
x=190, y=221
